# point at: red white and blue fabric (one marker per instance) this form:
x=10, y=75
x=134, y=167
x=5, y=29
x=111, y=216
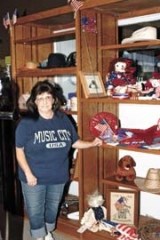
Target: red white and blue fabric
x=101, y=121
x=14, y=17
x=127, y=233
x=120, y=203
x=122, y=231
x=75, y=4
x=89, y=24
x=6, y=20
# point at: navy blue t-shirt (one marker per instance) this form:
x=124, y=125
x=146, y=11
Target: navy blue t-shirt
x=46, y=144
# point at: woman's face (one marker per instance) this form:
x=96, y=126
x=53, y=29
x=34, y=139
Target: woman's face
x=44, y=102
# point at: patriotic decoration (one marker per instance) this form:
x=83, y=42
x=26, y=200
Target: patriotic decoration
x=121, y=231
x=127, y=233
x=14, y=16
x=120, y=203
x=106, y=133
x=102, y=126
x=89, y=24
x=6, y=20
x=76, y=5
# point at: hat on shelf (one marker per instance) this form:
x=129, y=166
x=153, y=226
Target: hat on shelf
x=152, y=181
x=55, y=60
x=142, y=34
x=31, y=65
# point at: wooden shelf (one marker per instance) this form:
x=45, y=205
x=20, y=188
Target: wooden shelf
x=59, y=36
x=113, y=182
x=132, y=148
x=137, y=45
x=121, y=101
x=69, y=226
x=38, y=72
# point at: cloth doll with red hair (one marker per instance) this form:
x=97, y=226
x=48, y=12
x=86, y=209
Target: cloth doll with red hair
x=121, y=75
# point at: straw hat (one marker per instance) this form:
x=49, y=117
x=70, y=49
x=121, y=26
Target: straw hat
x=31, y=65
x=152, y=181
x=142, y=34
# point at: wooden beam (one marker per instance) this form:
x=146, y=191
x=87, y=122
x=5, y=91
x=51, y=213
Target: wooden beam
x=98, y=3
x=44, y=14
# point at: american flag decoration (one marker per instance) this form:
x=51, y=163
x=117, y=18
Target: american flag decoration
x=119, y=231
x=127, y=232
x=6, y=20
x=105, y=131
x=14, y=16
x=76, y=5
x=120, y=203
x=102, y=126
x=89, y=24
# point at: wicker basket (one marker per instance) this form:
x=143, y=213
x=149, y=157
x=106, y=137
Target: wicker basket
x=150, y=230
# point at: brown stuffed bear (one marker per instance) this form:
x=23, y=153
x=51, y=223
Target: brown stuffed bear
x=125, y=169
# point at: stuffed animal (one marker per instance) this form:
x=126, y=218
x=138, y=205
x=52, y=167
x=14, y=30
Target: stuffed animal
x=125, y=169
x=152, y=86
x=95, y=213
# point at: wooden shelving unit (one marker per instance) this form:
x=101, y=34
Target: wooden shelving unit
x=32, y=40
x=97, y=166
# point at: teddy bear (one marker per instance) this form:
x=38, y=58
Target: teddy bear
x=95, y=213
x=125, y=169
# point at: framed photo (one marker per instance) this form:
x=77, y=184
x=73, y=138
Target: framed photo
x=92, y=84
x=123, y=206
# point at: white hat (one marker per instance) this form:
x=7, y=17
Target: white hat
x=142, y=34
x=152, y=181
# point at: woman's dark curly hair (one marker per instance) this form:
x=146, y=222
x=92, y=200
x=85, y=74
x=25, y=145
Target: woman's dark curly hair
x=45, y=86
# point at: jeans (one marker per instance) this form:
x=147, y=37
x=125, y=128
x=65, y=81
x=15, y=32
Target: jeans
x=42, y=203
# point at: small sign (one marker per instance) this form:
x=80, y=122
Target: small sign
x=8, y=60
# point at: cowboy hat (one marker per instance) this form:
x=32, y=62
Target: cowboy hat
x=142, y=34
x=151, y=183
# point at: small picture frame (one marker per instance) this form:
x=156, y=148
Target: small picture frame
x=123, y=206
x=92, y=84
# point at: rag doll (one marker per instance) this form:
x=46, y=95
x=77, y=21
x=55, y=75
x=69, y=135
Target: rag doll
x=121, y=76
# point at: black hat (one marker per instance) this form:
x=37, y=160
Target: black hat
x=71, y=60
x=56, y=60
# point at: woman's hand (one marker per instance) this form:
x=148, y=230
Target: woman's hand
x=97, y=142
x=31, y=179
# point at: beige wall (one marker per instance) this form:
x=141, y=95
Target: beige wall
x=22, y=6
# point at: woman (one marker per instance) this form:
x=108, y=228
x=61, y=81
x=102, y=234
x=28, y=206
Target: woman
x=43, y=141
